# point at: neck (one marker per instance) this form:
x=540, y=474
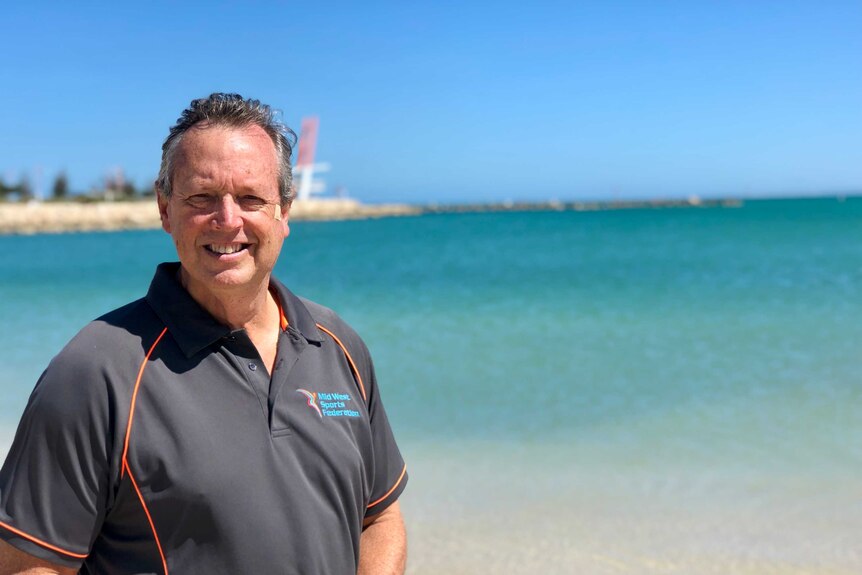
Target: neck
x=241, y=308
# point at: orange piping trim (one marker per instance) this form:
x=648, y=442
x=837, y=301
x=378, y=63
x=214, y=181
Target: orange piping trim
x=388, y=493
x=42, y=543
x=149, y=517
x=349, y=359
x=125, y=462
x=282, y=317
x=134, y=399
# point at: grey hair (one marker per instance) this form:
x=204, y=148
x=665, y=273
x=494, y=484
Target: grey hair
x=234, y=111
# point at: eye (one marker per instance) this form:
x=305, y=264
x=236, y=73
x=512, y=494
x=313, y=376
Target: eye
x=199, y=201
x=252, y=202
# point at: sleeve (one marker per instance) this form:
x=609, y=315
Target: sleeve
x=390, y=471
x=54, y=481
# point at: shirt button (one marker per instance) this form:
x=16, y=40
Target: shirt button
x=252, y=366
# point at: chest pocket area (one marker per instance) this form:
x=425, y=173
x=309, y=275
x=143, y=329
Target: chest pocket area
x=321, y=392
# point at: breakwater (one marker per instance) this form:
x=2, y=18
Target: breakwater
x=56, y=217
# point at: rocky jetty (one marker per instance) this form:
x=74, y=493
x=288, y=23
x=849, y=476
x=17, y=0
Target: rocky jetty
x=55, y=217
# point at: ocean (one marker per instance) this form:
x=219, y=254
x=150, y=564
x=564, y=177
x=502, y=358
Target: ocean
x=633, y=391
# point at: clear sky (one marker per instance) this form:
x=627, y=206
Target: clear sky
x=456, y=101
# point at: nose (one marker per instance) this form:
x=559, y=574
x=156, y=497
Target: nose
x=227, y=213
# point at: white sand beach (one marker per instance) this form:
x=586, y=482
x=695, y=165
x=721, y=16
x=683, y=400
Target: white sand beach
x=501, y=510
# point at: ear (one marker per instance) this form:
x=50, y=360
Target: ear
x=285, y=219
x=163, y=209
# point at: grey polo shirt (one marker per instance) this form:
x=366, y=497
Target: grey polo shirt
x=156, y=442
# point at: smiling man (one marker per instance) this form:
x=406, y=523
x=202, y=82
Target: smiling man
x=220, y=424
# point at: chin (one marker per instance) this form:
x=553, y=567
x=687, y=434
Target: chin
x=232, y=279
x=217, y=280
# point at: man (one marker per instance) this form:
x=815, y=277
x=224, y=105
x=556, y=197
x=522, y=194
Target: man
x=220, y=424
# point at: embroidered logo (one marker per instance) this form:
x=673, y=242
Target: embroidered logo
x=329, y=404
x=311, y=400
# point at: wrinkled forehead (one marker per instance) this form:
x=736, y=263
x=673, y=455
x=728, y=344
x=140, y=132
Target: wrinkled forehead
x=216, y=151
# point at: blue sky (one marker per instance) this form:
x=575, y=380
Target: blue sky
x=449, y=101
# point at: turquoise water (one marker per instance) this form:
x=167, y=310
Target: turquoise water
x=695, y=353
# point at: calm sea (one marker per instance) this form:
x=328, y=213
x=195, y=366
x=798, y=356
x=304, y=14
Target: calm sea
x=639, y=391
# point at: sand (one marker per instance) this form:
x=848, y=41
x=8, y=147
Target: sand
x=50, y=217
x=498, y=508
x=492, y=514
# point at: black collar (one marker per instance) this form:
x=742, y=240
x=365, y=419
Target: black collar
x=194, y=329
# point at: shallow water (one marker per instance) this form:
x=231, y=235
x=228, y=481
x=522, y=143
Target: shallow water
x=655, y=391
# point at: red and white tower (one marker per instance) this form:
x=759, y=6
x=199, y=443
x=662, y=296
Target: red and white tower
x=305, y=167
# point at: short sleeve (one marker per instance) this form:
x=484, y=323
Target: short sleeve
x=54, y=481
x=390, y=471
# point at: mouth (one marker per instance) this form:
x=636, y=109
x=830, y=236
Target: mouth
x=226, y=249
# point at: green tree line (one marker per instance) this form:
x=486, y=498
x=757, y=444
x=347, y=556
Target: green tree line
x=113, y=189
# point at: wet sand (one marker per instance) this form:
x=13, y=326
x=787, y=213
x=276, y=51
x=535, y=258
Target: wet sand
x=55, y=217
x=506, y=510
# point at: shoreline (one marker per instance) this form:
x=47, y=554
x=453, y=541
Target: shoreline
x=63, y=217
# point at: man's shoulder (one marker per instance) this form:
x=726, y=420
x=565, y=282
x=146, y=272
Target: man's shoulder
x=116, y=336
x=98, y=364
x=321, y=313
x=133, y=321
x=329, y=320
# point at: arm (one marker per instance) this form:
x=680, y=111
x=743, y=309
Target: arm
x=13, y=561
x=383, y=543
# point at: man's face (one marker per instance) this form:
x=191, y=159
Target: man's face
x=224, y=212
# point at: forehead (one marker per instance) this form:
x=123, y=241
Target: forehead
x=216, y=152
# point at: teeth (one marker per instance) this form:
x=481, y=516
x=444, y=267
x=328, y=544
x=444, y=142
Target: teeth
x=225, y=249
